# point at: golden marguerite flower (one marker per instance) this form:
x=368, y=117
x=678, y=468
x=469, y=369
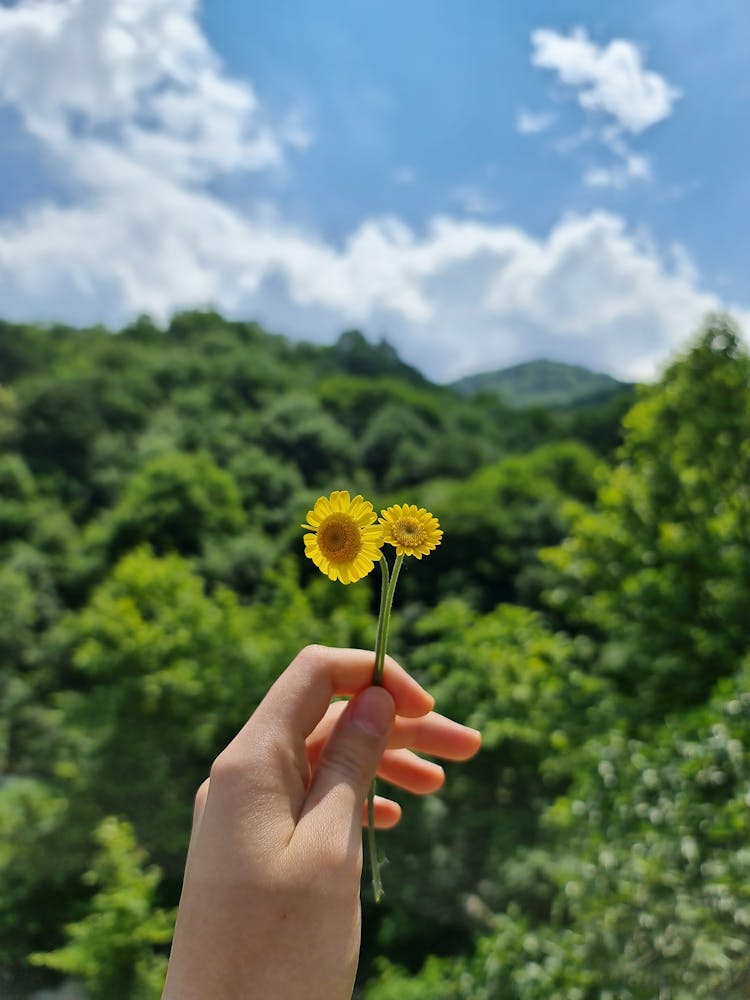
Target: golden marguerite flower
x=343, y=540
x=414, y=531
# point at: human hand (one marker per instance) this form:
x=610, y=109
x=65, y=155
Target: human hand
x=270, y=902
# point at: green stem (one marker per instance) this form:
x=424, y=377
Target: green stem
x=377, y=885
x=387, y=590
x=381, y=635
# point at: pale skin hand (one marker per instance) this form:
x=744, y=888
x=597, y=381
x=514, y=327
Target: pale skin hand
x=270, y=903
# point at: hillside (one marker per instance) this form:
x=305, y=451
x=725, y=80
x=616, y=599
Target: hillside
x=586, y=610
x=540, y=383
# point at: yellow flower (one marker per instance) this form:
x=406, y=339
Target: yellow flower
x=343, y=540
x=414, y=532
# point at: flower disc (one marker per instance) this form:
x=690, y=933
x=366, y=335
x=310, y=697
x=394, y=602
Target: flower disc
x=413, y=531
x=343, y=541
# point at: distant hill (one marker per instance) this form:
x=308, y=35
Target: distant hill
x=541, y=383
x=354, y=354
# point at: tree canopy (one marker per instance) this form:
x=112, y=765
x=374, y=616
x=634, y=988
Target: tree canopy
x=587, y=610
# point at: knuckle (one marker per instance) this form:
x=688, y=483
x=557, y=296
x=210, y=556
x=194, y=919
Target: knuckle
x=314, y=652
x=226, y=769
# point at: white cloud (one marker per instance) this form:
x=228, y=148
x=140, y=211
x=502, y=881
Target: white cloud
x=619, y=175
x=474, y=201
x=610, y=79
x=144, y=233
x=141, y=74
x=460, y=297
x=532, y=122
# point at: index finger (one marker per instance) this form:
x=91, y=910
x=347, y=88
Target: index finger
x=432, y=734
x=298, y=700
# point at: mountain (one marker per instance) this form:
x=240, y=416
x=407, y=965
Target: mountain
x=541, y=383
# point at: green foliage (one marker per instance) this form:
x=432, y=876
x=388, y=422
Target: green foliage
x=651, y=868
x=17, y=622
x=353, y=353
x=158, y=657
x=655, y=878
x=24, y=350
x=152, y=485
x=598, y=422
x=270, y=489
x=33, y=881
x=9, y=429
x=298, y=430
x=639, y=839
x=174, y=502
x=661, y=567
x=30, y=604
x=26, y=514
x=526, y=689
x=438, y=980
x=59, y=422
x=500, y=517
x=117, y=950
x=395, y=446
x=355, y=399
x=540, y=383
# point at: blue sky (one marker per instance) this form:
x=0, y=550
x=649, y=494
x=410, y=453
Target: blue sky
x=481, y=183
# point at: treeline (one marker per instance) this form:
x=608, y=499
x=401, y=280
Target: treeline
x=588, y=611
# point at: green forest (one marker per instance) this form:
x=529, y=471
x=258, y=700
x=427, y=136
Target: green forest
x=588, y=610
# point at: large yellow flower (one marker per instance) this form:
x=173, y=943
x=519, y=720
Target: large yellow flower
x=343, y=540
x=414, y=531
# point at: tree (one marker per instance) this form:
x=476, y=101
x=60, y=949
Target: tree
x=458, y=857
x=498, y=519
x=117, y=950
x=353, y=353
x=660, y=570
x=297, y=429
x=38, y=870
x=166, y=674
x=59, y=422
x=175, y=502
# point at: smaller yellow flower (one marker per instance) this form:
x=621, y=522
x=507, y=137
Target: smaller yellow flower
x=414, y=531
x=343, y=540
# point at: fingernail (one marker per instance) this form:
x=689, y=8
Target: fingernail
x=373, y=711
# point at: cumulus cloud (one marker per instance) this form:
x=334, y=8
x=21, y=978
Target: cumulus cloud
x=139, y=75
x=619, y=175
x=460, y=297
x=146, y=233
x=533, y=122
x=610, y=79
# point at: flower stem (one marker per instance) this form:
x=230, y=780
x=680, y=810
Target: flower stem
x=387, y=590
x=381, y=635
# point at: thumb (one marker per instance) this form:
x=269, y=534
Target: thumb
x=351, y=757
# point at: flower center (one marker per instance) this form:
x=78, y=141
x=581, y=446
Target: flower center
x=409, y=532
x=339, y=538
